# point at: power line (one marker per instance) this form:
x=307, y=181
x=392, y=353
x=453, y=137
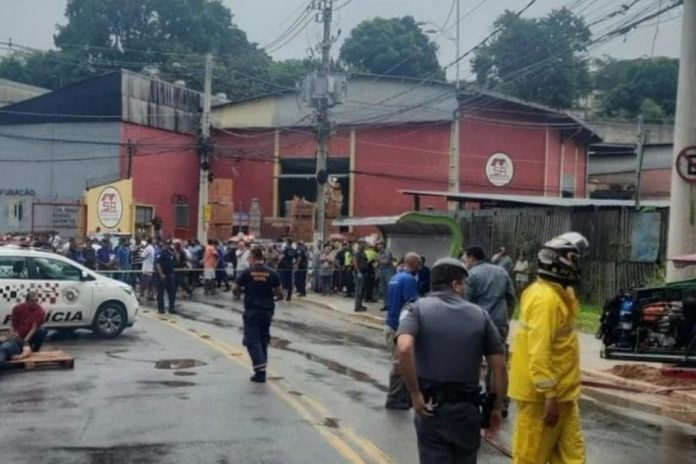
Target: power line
x=536, y=67
x=303, y=7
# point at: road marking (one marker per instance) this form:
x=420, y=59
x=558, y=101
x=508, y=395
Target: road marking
x=340, y=444
x=369, y=448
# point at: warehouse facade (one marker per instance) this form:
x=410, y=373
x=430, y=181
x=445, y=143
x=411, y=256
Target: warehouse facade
x=394, y=134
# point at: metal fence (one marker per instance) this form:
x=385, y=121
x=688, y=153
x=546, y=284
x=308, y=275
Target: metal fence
x=608, y=266
x=67, y=219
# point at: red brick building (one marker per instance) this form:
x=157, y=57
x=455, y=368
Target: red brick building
x=396, y=134
x=116, y=126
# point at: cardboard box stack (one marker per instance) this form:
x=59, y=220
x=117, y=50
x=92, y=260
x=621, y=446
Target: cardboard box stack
x=220, y=198
x=301, y=215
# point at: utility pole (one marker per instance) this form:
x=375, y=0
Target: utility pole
x=681, y=238
x=323, y=124
x=459, y=20
x=204, y=152
x=454, y=132
x=640, y=152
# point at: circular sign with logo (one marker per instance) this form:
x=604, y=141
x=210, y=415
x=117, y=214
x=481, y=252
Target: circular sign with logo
x=109, y=207
x=686, y=164
x=70, y=295
x=499, y=169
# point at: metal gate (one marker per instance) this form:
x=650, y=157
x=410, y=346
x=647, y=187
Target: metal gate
x=69, y=220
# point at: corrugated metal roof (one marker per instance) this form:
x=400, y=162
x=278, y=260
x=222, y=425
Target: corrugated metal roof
x=529, y=200
x=626, y=133
x=13, y=92
x=395, y=225
x=113, y=96
x=369, y=221
x=382, y=100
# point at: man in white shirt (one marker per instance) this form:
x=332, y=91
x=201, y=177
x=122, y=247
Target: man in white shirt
x=148, y=269
x=242, y=257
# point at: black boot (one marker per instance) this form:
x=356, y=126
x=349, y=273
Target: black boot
x=259, y=376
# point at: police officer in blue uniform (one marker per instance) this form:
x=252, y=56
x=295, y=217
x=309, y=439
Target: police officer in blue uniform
x=165, y=277
x=260, y=284
x=302, y=260
x=441, y=341
x=285, y=268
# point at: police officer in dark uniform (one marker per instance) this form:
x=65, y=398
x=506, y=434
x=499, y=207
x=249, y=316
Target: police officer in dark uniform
x=441, y=341
x=285, y=268
x=260, y=284
x=302, y=259
x=165, y=277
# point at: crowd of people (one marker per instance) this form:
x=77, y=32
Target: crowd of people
x=438, y=342
x=461, y=306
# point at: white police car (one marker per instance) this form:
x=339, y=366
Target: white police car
x=73, y=296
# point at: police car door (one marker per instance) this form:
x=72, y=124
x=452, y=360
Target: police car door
x=65, y=297
x=14, y=283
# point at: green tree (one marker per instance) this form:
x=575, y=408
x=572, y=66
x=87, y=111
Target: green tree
x=288, y=73
x=394, y=47
x=632, y=87
x=170, y=37
x=652, y=112
x=539, y=59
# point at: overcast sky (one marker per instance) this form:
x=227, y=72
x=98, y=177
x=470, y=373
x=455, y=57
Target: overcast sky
x=32, y=23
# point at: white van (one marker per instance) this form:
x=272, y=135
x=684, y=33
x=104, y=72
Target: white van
x=73, y=296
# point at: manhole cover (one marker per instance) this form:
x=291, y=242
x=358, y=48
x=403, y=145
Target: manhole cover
x=178, y=363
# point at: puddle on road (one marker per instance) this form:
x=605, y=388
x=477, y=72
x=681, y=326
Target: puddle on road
x=330, y=422
x=330, y=336
x=178, y=363
x=184, y=373
x=327, y=336
x=360, y=376
x=355, y=395
x=121, y=453
x=283, y=344
x=167, y=383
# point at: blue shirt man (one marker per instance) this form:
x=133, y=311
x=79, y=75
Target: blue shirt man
x=123, y=256
x=423, y=279
x=222, y=257
x=402, y=288
x=164, y=260
x=104, y=255
x=166, y=283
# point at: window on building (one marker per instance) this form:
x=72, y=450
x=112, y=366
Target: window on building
x=143, y=219
x=15, y=212
x=298, y=178
x=181, y=216
x=568, y=188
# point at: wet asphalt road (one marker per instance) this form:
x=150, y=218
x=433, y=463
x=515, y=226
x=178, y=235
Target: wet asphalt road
x=324, y=404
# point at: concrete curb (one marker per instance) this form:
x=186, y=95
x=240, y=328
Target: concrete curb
x=676, y=405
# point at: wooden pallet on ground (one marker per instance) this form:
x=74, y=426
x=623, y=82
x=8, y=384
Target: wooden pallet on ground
x=44, y=360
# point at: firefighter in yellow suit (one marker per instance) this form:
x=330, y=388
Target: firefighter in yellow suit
x=545, y=365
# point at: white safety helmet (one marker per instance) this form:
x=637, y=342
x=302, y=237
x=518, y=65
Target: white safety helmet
x=558, y=260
